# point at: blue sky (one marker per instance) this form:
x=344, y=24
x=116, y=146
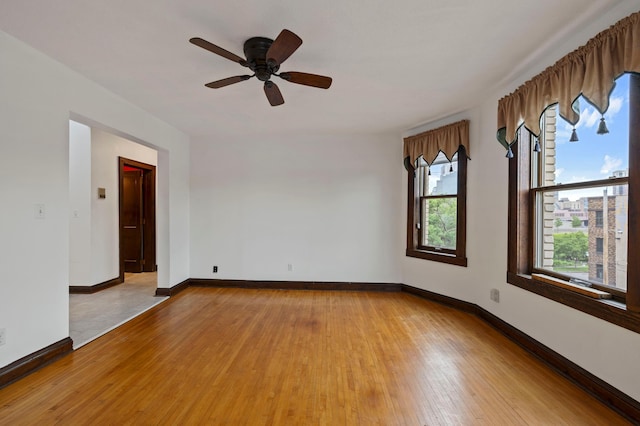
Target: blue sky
x=594, y=156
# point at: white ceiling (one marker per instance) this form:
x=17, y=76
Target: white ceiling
x=395, y=64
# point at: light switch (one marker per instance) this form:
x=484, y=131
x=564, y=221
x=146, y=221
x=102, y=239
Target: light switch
x=39, y=211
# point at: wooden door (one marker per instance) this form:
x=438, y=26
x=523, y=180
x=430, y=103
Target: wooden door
x=132, y=221
x=137, y=216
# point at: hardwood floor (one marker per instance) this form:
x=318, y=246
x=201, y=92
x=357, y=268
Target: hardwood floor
x=276, y=357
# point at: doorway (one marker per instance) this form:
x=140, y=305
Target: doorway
x=137, y=216
x=110, y=297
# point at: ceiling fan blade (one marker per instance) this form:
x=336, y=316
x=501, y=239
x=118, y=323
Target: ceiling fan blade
x=313, y=80
x=227, y=81
x=283, y=46
x=273, y=93
x=218, y=50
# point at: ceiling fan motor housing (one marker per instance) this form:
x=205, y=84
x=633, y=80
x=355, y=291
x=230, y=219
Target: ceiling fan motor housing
x=255, y=50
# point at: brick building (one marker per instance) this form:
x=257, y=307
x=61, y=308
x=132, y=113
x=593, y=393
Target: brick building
x=608, y=238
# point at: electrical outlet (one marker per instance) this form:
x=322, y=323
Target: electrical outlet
x=215, y=269
x=495, y=295
x=290, y=267
x=3, y=336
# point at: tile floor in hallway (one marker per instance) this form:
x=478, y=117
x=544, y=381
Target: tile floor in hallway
x=92, y=315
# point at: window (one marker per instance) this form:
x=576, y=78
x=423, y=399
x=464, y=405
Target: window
x=590, y=178
x=438, y=194
x=598, y=218
x=544, y=181
x=582, y=178
x=599, y=273
x=436, y=210
x=438, y=221
x=599, y=245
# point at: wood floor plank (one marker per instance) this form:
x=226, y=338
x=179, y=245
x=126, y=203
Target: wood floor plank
x=289, y=357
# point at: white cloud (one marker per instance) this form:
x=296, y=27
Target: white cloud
x=588, y=118
x=610, y=164
x=615, y=105
x=558, y=172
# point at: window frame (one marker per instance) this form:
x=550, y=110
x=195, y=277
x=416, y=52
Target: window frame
x=421, y=245
x=414, y=249
x=599, y=218
x=599, y=270
x=521, y=205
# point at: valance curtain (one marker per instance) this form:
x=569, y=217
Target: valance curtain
x=428, y=144
x=589, y=70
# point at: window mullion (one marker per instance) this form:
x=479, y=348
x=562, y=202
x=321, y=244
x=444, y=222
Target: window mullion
x=586, y=184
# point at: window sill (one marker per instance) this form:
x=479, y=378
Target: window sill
x=438, y=257
x=605, y=309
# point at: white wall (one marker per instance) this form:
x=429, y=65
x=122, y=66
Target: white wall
x=326, y=204
x=79, y=204
x=39, y=96
x=608, y=351
x=105, y=150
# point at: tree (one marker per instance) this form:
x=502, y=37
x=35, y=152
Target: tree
x=575, y=221
x=570, y=246
x=442, y=222
x=558, y=223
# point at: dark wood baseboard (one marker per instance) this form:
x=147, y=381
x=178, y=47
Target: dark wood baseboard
x=89, y=289
x=445, y=300
x=172, y=291
x=609, y=395
x=296, y=285
x=32, y=362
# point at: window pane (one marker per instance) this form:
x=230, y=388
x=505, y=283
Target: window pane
x=594, y=156
x=577, y=236
x=439, y=216
x=441, y=178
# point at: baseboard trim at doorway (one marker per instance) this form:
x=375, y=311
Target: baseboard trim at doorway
x=32, y=362
x=172, y=291
x=90, y=289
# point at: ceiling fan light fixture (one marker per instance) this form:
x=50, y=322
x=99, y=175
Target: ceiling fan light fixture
x=264, y=57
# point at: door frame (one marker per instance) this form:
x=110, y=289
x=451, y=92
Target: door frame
x=149, y=213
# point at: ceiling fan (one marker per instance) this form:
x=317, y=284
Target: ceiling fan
x=264, y=57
